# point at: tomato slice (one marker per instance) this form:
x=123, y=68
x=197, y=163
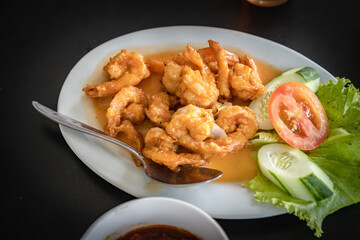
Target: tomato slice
x=298, y=116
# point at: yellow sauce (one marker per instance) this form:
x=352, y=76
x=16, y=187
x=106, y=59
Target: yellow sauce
x=237, y=167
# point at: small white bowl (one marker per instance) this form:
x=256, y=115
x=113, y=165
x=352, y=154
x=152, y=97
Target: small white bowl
x=154, y=210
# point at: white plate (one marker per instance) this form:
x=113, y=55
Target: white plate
x=220, y=200
x=154, y=211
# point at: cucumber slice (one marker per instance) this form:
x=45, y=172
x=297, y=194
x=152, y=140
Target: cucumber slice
x=305, y=75
x=294, y=172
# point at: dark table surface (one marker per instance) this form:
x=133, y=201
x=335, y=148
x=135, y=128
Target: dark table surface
x=48, y=191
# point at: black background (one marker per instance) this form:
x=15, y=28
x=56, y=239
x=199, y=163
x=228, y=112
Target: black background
x=48, y=191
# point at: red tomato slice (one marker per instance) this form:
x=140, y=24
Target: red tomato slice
x=298, y=116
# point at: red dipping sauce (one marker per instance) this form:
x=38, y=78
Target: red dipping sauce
x=158, y=232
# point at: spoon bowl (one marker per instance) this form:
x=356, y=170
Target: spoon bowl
x=184, y=176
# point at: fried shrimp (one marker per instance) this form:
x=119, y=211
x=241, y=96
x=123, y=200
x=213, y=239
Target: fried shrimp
x=189, y=110
x=134, y=137
x=135, y=113
x=191, y=126
x=190, y=57
x=159, y=108
x=155, y=66
x=125, y=69
x=190, y=79
x=209, y=59
x=238, y=122
x=239, y=79
x=194, y=89
x=223, y=82
x=125, y=97
x=245, y=80
x=172, y=77
x=161, y=148
x=193, y=121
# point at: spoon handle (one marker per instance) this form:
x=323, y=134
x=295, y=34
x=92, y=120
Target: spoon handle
x=82, y=127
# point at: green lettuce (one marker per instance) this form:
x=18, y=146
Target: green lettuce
x=338, y=156
x=341, y=102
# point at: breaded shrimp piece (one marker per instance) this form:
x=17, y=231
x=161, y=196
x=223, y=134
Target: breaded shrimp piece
x=125, y=69
x=190, y=79
x=122, y=99
x=240, y=79
x=155, y=66
x=193, y=121
x=159, y=108
x=194, y=89
x=238, y=121
x=134, y=136
x=209, y=59
x=189, y=57
x=135, y=113
x=192, y=58
x=172, y=77
x=245, y=81
x=161, y=148
x=191, y=126
x=223, y=82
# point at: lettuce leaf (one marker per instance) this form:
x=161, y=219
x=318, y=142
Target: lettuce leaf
x=341, y=102
x=338, y=156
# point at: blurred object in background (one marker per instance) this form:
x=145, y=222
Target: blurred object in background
x=267, y=3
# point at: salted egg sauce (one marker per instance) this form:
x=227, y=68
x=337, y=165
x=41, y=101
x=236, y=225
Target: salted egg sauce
x=237, y=167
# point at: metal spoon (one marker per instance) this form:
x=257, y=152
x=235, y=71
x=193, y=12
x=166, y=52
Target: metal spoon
x=185, y=176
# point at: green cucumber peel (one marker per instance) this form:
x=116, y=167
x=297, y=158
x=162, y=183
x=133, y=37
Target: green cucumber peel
x=308, y=73
x=280, y=183
x=316, y=187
